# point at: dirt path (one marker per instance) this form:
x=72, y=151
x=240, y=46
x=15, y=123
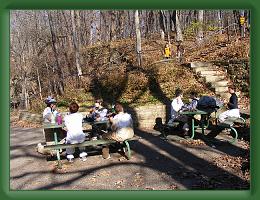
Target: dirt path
x=156, y=164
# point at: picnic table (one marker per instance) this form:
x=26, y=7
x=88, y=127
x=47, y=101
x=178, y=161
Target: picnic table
x=57, y=146
x=192, y=114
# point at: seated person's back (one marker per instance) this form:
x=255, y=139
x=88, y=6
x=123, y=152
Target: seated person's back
x=73, y=123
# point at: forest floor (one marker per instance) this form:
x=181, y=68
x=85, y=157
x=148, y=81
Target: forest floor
x=156, y=164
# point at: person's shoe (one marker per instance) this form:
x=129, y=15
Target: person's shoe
x=105, y=153
x=70, y=157
x=94, y=138
x=83, y=156
x=186, y=133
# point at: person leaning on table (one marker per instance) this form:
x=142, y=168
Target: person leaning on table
x=121, y=128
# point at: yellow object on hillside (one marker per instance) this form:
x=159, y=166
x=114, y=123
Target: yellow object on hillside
x=167, y=51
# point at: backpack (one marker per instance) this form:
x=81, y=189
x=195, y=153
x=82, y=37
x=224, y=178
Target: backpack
x=207, y=104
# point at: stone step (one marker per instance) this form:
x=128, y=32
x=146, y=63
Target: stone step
x=210, y=72
x=204, y=68
x=210, y=79
x=220, y=83
x=221, y=89
x=200, y=64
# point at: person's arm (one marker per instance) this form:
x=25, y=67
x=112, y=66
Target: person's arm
x=114, y=125
x=65, y=123
x=47, y=114
x=192, y=105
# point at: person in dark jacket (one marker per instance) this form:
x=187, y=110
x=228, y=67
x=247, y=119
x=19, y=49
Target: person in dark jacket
x=233, y=110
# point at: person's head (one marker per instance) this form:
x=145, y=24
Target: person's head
x=73, y=107
x=166, y=45
x=193, y=95
x=231, y=89
x=98, y=103
x=178, y=43
x=119, y=108
x=178, y=93
x=50, y=102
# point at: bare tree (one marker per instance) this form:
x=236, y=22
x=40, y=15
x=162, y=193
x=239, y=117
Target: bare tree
x=138, y=38
x=200, y=26
x=58, y=84
x=76, y=43
x=179, y=37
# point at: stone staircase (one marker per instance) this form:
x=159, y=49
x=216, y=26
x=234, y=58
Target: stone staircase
x=214, y=76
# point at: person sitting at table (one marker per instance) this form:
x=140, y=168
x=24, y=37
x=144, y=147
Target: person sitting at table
x=49, y=115
x=194, y=101
x=99, y=113
x=232, y=105
x=50, y=111
x=73, y=125
x=176, y=107
x=121, y=128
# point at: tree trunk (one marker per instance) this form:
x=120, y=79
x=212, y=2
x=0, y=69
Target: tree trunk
x=162, y=24
x=39, y=83
x=112, y=25
x=75, y=43
x=220, y=20
x=60, y=86
x=138, y=38
x=200, y=27
x=179, y=37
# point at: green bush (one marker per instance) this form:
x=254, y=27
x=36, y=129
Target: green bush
x=63, y=103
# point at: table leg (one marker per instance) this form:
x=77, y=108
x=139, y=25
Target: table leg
x=57, y=151
x=192, y=128
x=202, y=128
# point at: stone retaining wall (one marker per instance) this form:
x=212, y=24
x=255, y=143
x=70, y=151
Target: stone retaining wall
x=143, y=116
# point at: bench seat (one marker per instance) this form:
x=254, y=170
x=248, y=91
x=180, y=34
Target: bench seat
x=229, y=123
x=125, y=146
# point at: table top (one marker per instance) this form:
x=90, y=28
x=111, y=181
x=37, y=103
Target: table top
x=194, y=112
x=96, y=122
x=47, y=125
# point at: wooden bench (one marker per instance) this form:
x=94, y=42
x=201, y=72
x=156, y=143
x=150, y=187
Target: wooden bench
x=229, y=123
x=125, y=146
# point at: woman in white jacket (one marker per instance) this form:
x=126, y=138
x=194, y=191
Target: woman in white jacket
x=122, y=128
x=73, y=124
